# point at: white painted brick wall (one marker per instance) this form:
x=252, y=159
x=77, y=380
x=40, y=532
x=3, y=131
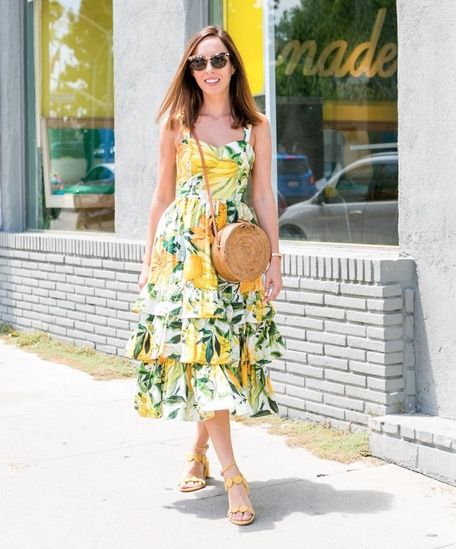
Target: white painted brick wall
x=347, y=321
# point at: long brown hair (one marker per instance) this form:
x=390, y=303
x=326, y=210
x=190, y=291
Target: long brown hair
x=184, y=97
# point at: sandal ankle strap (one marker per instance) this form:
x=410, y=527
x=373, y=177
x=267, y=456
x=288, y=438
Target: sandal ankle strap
x=197, y=457
x=227, y=467
x=201, y=447
x=236, y=479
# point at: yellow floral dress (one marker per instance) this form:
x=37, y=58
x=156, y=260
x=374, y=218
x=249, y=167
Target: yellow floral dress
x=203, y=342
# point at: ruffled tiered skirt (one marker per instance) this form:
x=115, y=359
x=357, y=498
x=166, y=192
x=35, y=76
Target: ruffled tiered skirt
x=202, y=346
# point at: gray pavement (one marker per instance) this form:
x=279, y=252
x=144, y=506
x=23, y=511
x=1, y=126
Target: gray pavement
x=80, y=469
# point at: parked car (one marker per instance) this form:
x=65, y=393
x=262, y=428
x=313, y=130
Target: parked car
x=99, y=180
x=295, y=179
x=281, y=203
x=358, y=204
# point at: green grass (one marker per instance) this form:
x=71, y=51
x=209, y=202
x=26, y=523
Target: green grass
x=320, y=439
x=101, y=366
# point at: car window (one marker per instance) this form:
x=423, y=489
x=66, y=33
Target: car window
x=353, y=185
x=98, y=174
x=292, y=166
x=386, y=184
x=106, y=174
x=94, y=174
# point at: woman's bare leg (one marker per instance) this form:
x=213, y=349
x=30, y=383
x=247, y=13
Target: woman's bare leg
x=219, y=431
x=196, y=467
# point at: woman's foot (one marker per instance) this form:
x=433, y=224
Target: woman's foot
x=195, y=468
x=237, y=495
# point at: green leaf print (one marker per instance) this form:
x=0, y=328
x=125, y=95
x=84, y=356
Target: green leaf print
x=231, y=209
x=147, y=343
x=174, y=399
x=209, y=351
x=175, y=339
x=138, y=347
x=262, y=413
x=202, y=385
x=173, y=414
x=171, y=245
x=273, y=405
x=217, y=345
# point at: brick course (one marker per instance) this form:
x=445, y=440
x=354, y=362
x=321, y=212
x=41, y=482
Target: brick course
x=347, y=321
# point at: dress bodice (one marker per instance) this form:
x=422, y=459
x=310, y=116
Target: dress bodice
x=228, y=167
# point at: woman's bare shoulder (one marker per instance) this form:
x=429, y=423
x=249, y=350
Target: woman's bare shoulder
x=171, y=130
x=263, y=122
x=260, y=130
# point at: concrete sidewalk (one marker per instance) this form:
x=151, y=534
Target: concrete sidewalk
x=80, y=469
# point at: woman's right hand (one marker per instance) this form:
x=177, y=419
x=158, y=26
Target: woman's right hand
x=143, y=276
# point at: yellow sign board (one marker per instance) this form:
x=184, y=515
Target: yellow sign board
x=243, y=20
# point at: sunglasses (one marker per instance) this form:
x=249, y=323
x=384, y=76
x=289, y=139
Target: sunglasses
x=199, y=63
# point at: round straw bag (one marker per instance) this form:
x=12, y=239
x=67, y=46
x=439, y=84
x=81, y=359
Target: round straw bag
x=241, y=250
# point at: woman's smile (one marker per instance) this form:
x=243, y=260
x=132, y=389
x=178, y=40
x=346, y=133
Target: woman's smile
x=212, y=81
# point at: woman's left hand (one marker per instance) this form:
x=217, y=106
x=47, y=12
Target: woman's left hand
x=273, y=280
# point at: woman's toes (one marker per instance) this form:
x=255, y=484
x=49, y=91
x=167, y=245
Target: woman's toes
x=242, y=516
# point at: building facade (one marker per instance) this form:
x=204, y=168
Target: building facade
x=351, y=91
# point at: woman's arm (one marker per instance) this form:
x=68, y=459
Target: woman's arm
x=264, y=203
x=165, y=188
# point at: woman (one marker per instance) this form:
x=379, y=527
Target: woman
x=204, y=342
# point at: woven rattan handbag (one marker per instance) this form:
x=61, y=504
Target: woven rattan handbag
x=241, y=250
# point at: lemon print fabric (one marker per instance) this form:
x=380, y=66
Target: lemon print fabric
x=203, y=343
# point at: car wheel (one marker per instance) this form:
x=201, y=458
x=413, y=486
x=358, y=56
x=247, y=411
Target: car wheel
x=291, y=232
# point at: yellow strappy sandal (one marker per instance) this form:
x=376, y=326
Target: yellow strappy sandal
x=238, y=479
x=195, y=456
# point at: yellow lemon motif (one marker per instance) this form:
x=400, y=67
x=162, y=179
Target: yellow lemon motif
x=225, y=348
x=251, y=285
x=269, y=386
x=245, y=370
x=234, y=380
x=202, y=234
x=221, y=215
x=193, y=267
x=219, y=169
x=145, y=408
x=207, y=278
x=161, y=264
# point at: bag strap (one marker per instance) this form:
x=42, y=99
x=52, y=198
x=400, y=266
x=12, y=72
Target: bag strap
x=206, y=179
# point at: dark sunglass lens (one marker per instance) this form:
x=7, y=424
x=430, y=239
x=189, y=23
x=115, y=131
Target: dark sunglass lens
x=218, y=61
x=198, y=63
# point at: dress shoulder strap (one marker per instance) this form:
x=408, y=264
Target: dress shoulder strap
x=247, y=132
x=185, y=131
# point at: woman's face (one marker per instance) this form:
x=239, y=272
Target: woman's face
x=211, y=80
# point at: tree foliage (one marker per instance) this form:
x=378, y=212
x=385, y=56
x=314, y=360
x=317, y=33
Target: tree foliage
x=326, y=21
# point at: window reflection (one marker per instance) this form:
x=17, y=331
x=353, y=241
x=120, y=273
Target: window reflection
x=77, y=124
x=336, y=86
x=357, y=204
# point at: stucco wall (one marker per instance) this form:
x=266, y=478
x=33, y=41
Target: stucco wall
x=427, y=197
x=12, y=195
x=148, y=42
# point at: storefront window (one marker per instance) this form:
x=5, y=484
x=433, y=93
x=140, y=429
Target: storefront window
x=334, y=118
x=76, y=123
